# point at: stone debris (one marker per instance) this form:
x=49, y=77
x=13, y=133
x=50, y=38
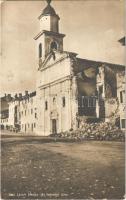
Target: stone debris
x=112, y=187
x=14, y=176
x=95, y=131
x=67, y=179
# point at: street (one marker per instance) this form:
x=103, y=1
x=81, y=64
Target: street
x=41, y=168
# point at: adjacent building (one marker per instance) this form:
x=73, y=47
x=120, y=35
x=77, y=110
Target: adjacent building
x=28, y=114
x=122, y=98
x=19, y=113
x=4, y=112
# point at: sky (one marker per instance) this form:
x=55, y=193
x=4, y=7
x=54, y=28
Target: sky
x=92, y=28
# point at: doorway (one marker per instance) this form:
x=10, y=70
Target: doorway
x=25, y=127
x=54, y=126
x=32, y=127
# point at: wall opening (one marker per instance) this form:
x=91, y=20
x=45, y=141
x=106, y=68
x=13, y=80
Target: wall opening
x=40, y=50
x=53, y=45
x=46, y=105
x=121, y=97
x=54, y=126
x=123, y=123
x=63, y=101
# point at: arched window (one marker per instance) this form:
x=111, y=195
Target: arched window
x=53, y=45
x=54, y=101
x=63, y=101
x=40, y=50
x=46, y=105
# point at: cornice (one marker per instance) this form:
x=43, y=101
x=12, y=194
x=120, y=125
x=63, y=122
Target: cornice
x=43, y=15
x=49, y=33
x=55, y=82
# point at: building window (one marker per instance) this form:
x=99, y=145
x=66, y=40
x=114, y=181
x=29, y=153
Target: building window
x=123, y=123
x=53, y=45
x=35, y=115
x=54, y=99
x=91, y=102
x=25, y=128
x=34, y=125
x=22, y=126
x=63, y=101
x=25, y=112
x=46, y=105
x=83, y=101
x=40, y=50
x=31, y=111
x=121, y=97
x=22, y=113
x=100, y=91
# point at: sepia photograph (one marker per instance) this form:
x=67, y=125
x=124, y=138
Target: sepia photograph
x=62, y=95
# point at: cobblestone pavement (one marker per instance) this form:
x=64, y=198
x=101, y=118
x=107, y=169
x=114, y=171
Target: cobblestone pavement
x=39, y=168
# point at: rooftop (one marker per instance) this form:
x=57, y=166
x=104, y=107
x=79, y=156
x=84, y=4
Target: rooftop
x=48, y=10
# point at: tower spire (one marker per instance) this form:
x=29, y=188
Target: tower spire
x=48, y=2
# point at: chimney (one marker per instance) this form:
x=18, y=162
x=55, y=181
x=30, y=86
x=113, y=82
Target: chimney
x=26, y=93
x=16, y=96
x=8, y=97
x=20, y=96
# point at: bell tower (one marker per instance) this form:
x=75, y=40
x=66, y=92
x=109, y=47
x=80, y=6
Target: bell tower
x=49, y=38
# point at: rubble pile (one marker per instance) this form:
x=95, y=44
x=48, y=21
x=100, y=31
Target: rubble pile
x=95, y=131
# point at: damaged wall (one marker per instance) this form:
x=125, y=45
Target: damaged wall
x=86, y=87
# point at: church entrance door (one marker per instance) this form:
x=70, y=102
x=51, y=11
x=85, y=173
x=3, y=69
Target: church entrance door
x=54, y=126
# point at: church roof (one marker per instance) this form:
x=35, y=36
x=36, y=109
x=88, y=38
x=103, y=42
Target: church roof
x=48, y=10
x=94, y=63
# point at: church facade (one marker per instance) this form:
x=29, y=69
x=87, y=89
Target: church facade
x=55, y=96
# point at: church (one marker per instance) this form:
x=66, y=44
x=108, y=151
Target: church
x=70, y=89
